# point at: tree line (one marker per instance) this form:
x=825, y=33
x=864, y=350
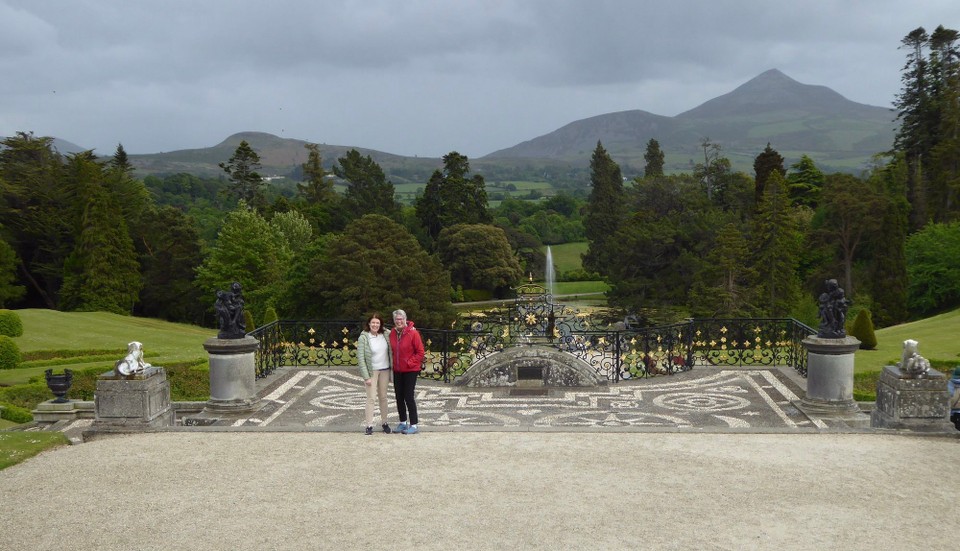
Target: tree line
x=79, y=232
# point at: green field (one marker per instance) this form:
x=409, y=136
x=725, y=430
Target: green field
x=567, y=256
x=937, y=337
x=50, y=330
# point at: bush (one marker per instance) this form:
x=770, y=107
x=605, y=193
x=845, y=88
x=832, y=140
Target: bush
x=10, y=324
x=15, y=414
x=270, y=315
x=863, y=330
x=9, y=353
x=476, y=295
x=248, y=320
x=26, y=396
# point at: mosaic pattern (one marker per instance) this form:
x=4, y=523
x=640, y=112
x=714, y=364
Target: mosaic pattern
x=742, y=399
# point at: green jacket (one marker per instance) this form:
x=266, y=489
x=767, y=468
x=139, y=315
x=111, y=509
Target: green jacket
x=365, y=354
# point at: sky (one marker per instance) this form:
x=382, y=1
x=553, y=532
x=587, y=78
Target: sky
x=419, y=77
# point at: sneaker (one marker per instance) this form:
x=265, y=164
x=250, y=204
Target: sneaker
x=386, y=428
x=412, y=429
x=368, y=431
x=401, y=427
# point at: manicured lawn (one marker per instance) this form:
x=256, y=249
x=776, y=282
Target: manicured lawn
x=566, y=257
x=49, y=330
x=937, y=337
x=18, y=446
x=579, y=287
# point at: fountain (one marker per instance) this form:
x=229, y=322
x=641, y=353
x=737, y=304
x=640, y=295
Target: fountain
x=549, y=273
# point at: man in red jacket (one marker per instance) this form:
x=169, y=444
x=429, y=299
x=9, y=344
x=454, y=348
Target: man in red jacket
x=407, y=348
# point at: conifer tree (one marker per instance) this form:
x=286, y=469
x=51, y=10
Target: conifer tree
x=654, y=160
x=778, y=240
x=763, y=165
x=246, y=184
x=368, y=190
x=604, y=212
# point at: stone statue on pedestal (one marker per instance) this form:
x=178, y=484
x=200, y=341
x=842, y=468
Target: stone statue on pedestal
x=912, y=364
x=833, y=312
x=229, y=308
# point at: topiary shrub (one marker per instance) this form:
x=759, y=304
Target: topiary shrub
x=10, y=324
x=15, y=414
x=270, y=315
x=9, y=353
x=863, y=329
x=248, y=319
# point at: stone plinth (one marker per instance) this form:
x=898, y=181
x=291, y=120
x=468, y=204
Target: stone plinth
x=131, y=403
x=531, y=366
x=233, y=374
x=51, y=411
x=830, y=378
x=904, y=402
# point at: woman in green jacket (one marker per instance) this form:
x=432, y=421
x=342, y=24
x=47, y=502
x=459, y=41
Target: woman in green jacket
x=373, y=358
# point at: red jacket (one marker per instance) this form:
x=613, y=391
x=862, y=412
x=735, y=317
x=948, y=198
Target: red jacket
x=407, y=347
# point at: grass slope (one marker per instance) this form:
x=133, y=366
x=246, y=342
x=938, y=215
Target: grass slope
x=937, y=337
x=45, y=330
x=567, y=256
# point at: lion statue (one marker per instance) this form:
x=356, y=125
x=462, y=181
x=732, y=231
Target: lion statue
x=911, y=362
x=133, y=362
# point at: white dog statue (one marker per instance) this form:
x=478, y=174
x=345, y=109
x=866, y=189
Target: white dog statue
x=912, y=363
x=133, y=362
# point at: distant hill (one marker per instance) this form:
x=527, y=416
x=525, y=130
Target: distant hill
x=795, y=118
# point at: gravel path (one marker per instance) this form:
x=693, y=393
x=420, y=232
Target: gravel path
x=486, y=490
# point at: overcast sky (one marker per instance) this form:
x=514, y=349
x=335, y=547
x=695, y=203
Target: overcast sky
x=419, y=77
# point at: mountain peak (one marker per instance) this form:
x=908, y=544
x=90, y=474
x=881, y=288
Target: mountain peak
x=771, y=90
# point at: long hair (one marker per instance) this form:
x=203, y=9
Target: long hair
x=373, y=316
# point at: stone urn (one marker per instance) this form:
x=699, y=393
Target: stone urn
x=59, y=384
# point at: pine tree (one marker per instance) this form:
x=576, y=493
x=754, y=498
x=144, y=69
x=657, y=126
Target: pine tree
x=887, y=274
x=778, y=242
x=102, y=272
x=246, y=184
x=451, y=197
x=805, y=182
x=763, y=165
x=604, y=212
x=368, y=190
x=654, y=160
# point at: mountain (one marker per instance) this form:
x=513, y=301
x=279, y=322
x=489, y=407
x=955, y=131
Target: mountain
x=839, y=134
x=795, y=118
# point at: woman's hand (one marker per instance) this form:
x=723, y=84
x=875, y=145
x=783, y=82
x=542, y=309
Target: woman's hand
x=368, y=382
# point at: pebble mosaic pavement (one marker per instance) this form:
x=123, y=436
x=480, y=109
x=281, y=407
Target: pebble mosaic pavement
x=715, y=399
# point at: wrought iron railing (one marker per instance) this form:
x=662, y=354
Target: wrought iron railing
x=615, y=354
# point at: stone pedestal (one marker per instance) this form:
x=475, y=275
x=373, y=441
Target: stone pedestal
x=52, y=411
x=830, y=378
x=903, y=402
x=132, y=403
x=233, y=374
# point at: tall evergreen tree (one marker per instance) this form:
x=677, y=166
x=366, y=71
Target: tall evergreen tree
x=915, y=112
x=763, y=165
x=37, y=214
x=654, y=160
x=451, y=197
x=320, y=202
x=170, y=256
x=804, y=182
x=368, y=190
x=725, y=285
x=604, y=212
x=778, y=240
x=851, y=207
x=102, y=272
x=245, y=182
x=887, y=274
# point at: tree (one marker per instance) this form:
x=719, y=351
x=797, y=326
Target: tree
x=170, y=256
x=764, y=164
x=933, y=267
x=805, y=182
x=375, y=264
x=368, y=190
x=102, y=272
x=478, y=257
x=246, y=184
x=851, y=207
x=452, y=198
x=724, y=287
x=713, y=171
x=293, y=228
x=654, y=160
x=322, y=204
x=887, y=275
x=10, y=292
x=777, y=243
x=248, y=250
x=604, y=212
x=39, y=217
